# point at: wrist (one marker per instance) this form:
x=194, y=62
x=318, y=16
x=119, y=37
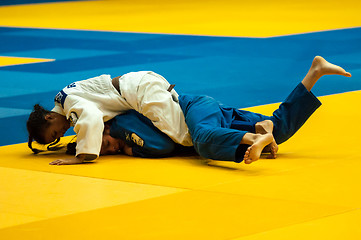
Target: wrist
x=86, y=157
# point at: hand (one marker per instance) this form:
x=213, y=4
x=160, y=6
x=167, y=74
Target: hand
x=67, y=161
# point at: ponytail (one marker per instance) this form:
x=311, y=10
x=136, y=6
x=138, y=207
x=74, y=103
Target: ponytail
x=30, y=145
x=37, y=123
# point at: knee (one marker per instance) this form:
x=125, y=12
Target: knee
x=201, y=140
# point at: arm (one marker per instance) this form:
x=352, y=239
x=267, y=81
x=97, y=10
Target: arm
x=88, y=125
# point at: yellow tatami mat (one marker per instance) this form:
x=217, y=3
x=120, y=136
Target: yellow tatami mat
x=188, y=215
x=311, y=191
x=340, y=226
x=202, y=17
x=60, y=195
x=10, y=61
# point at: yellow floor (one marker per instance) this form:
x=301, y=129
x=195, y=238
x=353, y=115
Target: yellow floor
x=10, y=61
x=201, y=17
x=311, y=191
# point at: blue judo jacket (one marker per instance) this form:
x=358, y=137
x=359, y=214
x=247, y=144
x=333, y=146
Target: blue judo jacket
x=139, y=133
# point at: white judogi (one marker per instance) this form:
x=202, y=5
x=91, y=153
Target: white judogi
x=90, y=103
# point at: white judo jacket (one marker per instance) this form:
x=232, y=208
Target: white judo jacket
x=90, y=103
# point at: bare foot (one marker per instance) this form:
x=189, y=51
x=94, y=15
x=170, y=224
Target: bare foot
x=322, y=67
x=319, y=68
x=254, y=151
x=264, y=127
x=271, y=148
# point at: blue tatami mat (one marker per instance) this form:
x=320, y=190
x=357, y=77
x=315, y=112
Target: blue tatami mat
x=239, y=72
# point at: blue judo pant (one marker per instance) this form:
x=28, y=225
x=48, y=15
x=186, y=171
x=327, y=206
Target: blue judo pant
x=217, y=130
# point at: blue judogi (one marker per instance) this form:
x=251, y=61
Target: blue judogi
x=217, y=130
x=139, y=133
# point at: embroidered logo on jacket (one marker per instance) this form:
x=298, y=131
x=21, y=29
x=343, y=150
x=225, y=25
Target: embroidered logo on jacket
x=71, y=85
x=60, y=97
x=136, y=139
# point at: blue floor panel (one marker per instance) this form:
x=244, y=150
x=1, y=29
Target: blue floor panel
x=240, y=72
x=19, y=2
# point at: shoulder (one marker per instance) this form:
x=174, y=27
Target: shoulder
x=94, y=80
x=80, y=106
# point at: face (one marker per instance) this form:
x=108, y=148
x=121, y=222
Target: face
x=57, y=126
x=111, y=145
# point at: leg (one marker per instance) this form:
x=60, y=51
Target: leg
x=243, y=126
x=160, y=106
x=301, y=103
x=208, y=128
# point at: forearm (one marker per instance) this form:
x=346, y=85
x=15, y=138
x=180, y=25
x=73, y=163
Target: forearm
x=86, y=157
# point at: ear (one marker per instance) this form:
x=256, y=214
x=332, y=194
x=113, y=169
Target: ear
x=49, y=116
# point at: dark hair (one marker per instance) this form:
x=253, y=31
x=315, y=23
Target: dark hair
x=36, y=125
